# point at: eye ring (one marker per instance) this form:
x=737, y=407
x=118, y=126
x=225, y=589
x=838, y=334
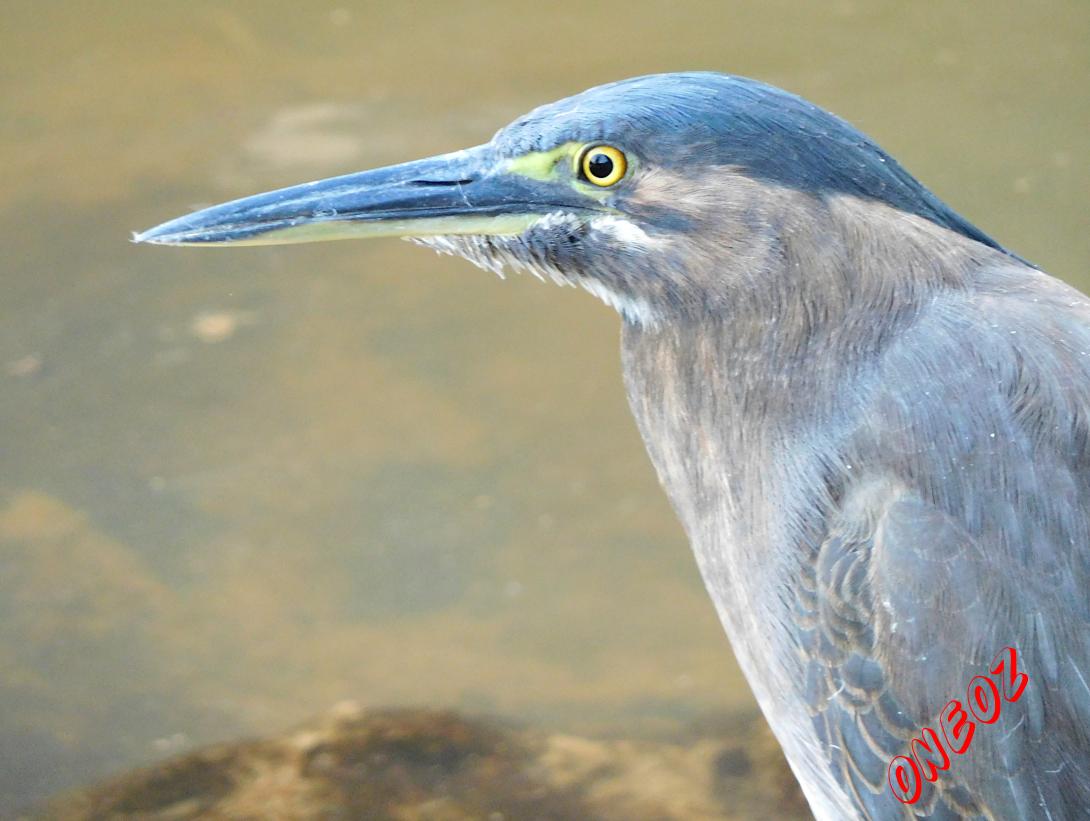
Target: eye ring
x=602, y=165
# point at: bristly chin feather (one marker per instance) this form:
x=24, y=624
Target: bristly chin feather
x=519, y=253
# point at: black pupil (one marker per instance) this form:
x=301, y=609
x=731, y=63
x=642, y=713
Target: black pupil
x=600, y=166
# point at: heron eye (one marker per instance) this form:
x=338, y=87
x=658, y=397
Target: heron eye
x=603, y=165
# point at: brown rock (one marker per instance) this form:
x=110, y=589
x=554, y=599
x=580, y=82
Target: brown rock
x=422, y=765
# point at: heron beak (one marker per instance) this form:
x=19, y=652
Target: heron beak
x=467, y=192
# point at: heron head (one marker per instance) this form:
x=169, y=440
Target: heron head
x=643, y=192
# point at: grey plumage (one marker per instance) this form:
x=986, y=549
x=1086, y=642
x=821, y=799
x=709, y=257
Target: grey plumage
x=872, y=420
x=900, y=507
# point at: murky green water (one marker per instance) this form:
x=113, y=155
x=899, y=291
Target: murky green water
x=239, y=486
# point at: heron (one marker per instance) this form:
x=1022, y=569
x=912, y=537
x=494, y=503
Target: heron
x=871, y=418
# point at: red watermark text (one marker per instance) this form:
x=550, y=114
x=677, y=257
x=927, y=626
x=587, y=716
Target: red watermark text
x=931, y=751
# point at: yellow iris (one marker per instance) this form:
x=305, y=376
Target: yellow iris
x=603, y=165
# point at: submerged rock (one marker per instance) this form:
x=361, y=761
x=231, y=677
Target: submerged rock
x=423, y=765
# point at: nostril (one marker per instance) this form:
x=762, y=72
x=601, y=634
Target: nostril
x=438, y=182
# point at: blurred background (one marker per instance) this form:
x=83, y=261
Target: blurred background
x=239, y=486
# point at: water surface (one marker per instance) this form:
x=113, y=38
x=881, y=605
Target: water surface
x=238, y=486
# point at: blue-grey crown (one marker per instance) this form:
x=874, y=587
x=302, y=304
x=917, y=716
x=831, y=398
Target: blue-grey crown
x=689, y=121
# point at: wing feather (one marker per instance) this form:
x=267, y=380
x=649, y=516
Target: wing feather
x=966, y=534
